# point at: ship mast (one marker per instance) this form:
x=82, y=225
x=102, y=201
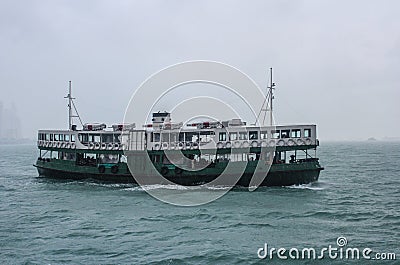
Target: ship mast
x=267, y=103
x=69, y=106
x=70, y=111
x=271, y=97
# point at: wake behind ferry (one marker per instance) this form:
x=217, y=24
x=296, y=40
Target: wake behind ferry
x=285, y=155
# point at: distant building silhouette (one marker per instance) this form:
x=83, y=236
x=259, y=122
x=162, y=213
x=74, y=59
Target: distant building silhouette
x=10, y=124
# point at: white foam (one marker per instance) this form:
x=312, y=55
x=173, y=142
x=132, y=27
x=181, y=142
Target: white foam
x=176, y=187
x=310, y=186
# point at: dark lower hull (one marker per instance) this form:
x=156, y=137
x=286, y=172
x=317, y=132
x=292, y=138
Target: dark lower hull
x=273, y=178
x=64, y=174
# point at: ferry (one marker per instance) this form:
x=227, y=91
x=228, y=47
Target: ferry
x=195, y=153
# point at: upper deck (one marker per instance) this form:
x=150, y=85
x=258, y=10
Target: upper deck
x=205, y=135
x=80, y=139
x=229, y=137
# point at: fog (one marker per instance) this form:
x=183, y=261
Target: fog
x=336, y=63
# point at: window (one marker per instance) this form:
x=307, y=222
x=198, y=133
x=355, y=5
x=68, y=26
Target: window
x=106, y=138
x=92, y=138
x=165, y=137
x=54, y=155
x=84, y=137
x=191, y=137
x=242, y=135
x=117, y=138
x=51, y=137
x=295, y=133
x=206, y=136
x=307, y=132
x=275, y=134
x=263, y=134
x=71, y=156
x=72, y=137
x=253, y=135
x=56, y=137
x=181, y=137
x=235, y=157
x=66, y=137
x=251, y=157
x=108, y=159
x=222, y=136
x=47, y=137
x=233, y=136
x=61, y=137
x=173, y=137
x=156, y=137
x=285, y=134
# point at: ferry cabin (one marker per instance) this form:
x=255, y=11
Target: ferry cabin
x=98, y=147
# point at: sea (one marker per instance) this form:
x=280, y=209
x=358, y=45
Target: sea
x=355, y=205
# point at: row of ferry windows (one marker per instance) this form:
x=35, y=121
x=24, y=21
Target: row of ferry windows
x=56, y=137
x=97, y=138
x=182, y=137
x=253, y=135
x=83, y=137
x=233, y=136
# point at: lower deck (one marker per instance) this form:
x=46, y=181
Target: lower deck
x=273, y=167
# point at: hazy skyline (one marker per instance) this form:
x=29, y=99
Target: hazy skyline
x=335, y=62
x=10, y=124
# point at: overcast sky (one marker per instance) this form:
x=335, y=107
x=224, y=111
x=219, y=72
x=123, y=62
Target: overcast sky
x=336, y=63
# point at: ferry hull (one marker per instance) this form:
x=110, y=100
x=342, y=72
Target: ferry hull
x=73, y=175
x=274, y=178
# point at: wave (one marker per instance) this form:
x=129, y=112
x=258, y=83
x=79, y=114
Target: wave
x=310, y=186
x=176, y=187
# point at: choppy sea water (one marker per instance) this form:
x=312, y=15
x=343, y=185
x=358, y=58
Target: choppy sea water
x=46, y=221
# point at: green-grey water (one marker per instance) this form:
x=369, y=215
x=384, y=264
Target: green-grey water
x=45, y=221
